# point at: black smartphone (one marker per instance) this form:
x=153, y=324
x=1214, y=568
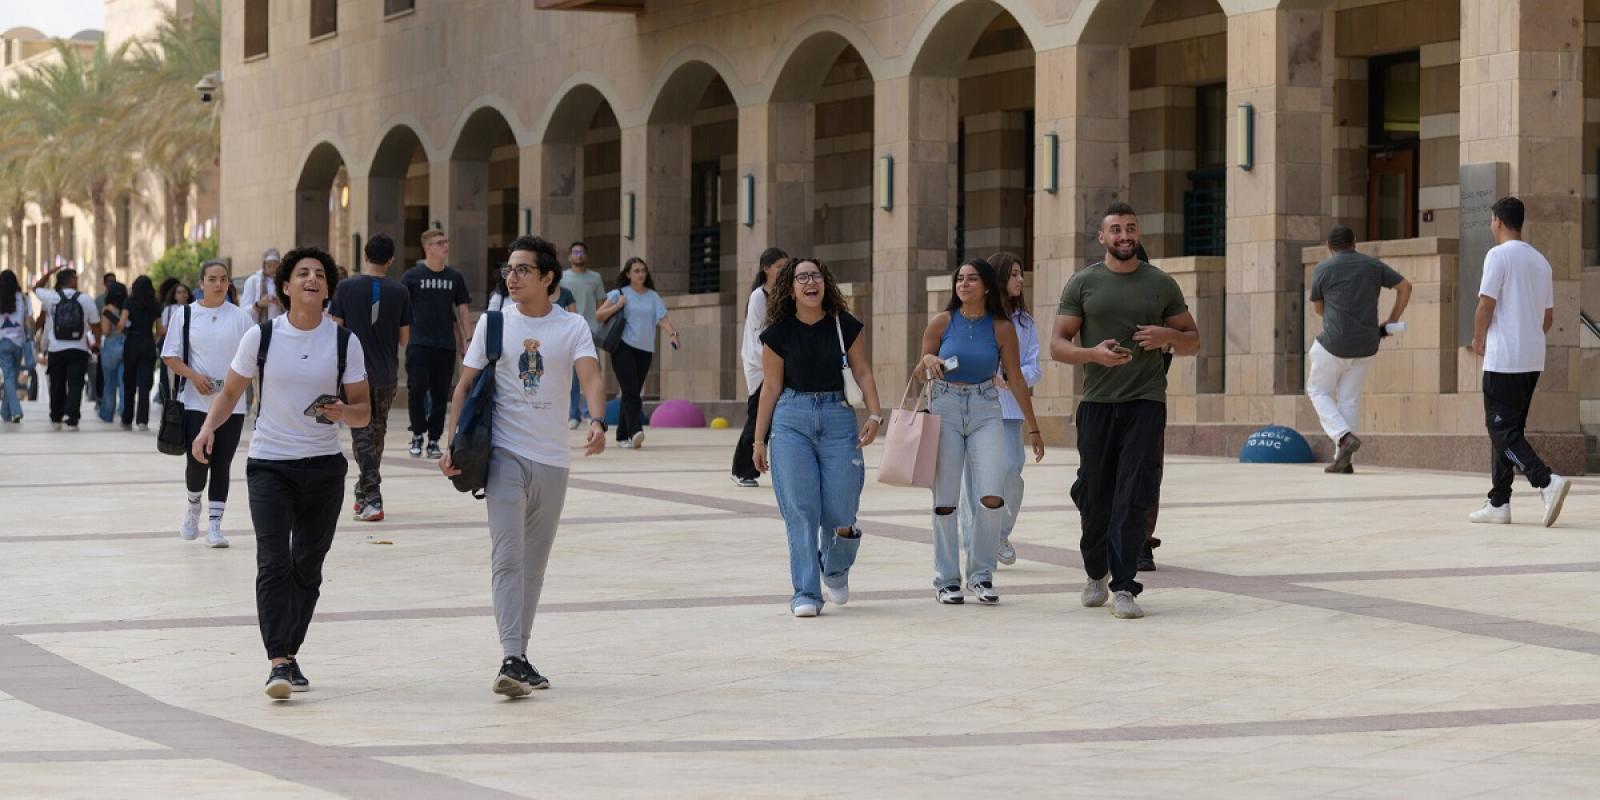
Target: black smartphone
x=315, y=409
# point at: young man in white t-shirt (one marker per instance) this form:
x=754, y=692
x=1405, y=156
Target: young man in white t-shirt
x=68, y=359
x=541, y=347
x=1516, y=306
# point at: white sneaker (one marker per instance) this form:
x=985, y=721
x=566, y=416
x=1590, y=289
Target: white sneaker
x=806, y=610
x=637, y=441
x=1492, y=515
x=214, y=537
x=1007, y=554
x=573, y=424
x=189, y=529
x=1123, y=606
x=143, y=428
x=1096, y=593
x=1553, y=496
x=837, y=594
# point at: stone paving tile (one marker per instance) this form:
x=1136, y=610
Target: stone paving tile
x=1307, y=636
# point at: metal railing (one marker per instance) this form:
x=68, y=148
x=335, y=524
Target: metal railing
x=1205, y=214
x=705, y=260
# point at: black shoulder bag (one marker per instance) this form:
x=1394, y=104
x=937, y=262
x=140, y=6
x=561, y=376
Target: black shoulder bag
x=473, y=437
x=170, y=438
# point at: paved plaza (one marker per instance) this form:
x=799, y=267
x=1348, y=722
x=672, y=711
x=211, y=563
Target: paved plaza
x=1308, y=636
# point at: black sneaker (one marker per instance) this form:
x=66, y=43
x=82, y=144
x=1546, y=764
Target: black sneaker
x=518, y=678
x=433, y=449
x=297, y=679
x=1147, y=558
x=280, y=683
x=416, y=446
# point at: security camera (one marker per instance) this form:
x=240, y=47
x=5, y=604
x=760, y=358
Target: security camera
x=208, y=86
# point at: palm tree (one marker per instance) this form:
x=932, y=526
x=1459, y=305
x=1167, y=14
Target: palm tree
x=178, y=137
x=15, y=149
x=71, y=107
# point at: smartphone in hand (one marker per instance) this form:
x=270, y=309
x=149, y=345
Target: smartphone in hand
x=315, y=409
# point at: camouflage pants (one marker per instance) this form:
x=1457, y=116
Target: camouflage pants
x=368, y=445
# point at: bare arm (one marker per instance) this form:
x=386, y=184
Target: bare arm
x=594, y=393
x=463, y=330
x=1316, y=305
x=771, y=387
x=233, y=387
x=1066, y=351
x=457, y=399
x=356, y=411
x=1011, y=364
x=1402, y=298
x=405, y=337
x=609, y=308
x=861, y=368
x=1179, y=333
x=931, y=365
x=1480, y=322
x=1549, y=319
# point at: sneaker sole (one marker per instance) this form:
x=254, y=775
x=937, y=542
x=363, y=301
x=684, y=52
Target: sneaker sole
x=223, y=545
x=1496, y=521
x=958, y=600
x=279, y=690
x=1120, y=615
x=1555, y=508
x=511, y=687
x=834, y=597
x=298, y=689
x=1004, y=561
x=805, y=613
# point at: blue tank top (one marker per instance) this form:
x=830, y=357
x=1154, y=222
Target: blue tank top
x=972, y=343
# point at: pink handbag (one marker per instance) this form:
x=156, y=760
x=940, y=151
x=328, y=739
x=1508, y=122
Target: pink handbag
x=911, y=444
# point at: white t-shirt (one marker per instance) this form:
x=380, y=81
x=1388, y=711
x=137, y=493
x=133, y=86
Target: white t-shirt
x=301, y=366
x=533, y=380
x=755, y=321
x=91, y=320
x=1518, y=278
x=14, y=325
x=256, y=287
x=214, y=336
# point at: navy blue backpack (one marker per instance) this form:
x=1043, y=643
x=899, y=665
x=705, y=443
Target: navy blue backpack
x=474, y=433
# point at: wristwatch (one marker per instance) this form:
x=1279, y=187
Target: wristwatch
x=600, y=422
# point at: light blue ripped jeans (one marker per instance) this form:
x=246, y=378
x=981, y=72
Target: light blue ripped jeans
x=817, y=473
x=971, y=443
x=1016, y=456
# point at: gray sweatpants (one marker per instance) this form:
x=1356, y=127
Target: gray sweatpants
x=524, y=500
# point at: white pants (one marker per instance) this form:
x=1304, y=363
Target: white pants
x=1335, y=389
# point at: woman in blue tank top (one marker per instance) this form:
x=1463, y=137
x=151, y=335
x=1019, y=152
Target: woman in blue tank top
x=975, y=332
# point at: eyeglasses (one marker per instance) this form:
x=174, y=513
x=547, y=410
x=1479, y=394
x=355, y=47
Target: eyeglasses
x=519, y=270
x=808, y=277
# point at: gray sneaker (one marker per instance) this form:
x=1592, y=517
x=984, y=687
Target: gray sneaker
x=1123, y=606
x=1007, y=554
x=1095, y=593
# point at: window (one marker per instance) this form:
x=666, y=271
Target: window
x=255, y=28
x=1394, y=99
x=393, y=7
x=705, y=227
x=324, y=18
x=1205, y=206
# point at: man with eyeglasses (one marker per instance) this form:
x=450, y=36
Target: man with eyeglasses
x=439, y=298
x=587, y=289
x=377, y=309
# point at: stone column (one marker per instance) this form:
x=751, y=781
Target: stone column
x=915, y=123
x=1281, y=62
x=655, y=168
x=777, y=146
x=555, y=171
x=1082, y=97
x=468, y=225
x=1522, y=104
x=384, y=208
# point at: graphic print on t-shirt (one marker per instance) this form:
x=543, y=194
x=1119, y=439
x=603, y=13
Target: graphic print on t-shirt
x=530, y=367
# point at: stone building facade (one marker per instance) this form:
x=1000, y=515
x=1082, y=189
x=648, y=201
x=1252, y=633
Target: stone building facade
x=890, y=138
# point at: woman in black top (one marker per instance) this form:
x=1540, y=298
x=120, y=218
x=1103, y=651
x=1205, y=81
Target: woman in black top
x=140, y=318
x=816, y=462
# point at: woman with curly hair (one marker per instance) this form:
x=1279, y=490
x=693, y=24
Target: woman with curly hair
x=816, y=445
x=313, y=376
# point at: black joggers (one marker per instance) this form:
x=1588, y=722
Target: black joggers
x=138, y=374
x=632, y=365
x=429, y=373
x=1506, y=399
x=1120, y=453
x=67, y=369
x=294, y=506
x=744, y=453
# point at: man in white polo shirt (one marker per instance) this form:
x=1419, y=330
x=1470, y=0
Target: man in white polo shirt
x=1516, y=306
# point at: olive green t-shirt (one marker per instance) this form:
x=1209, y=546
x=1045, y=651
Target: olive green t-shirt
x=1112, y=305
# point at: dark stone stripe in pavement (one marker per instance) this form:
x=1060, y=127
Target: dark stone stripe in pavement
x=46, y=681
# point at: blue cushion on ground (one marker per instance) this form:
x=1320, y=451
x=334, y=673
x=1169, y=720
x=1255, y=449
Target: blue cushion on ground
x=1276, y=444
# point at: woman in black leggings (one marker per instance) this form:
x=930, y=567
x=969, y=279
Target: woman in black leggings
x=140, y=317
x=212, y=327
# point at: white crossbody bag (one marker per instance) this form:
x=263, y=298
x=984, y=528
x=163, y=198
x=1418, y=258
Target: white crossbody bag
x=852, y=390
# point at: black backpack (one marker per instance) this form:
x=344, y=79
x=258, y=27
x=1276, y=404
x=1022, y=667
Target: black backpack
x=66, y=318
x=474, y=434
x=261, y=360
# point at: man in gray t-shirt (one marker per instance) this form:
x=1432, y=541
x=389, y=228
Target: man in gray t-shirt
x=1344, y=292
x=587, y=290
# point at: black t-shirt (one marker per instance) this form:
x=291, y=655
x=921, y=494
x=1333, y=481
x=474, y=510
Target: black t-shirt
x=810, y=353
x=434, y=297
x=141, y=328
x=380, y=341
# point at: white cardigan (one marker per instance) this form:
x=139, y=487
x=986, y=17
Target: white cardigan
x=755, y=318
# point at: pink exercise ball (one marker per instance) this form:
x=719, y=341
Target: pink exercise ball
x=677, y=414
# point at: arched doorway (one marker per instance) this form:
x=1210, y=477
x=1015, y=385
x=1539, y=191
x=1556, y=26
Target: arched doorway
x=689, y=205
x=397, y=191
x=580, y=177
x=322, y=200
x=484, y=211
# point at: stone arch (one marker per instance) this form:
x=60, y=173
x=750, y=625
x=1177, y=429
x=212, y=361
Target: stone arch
x=943, y=41
x=797, y=69
x=314, y=210
x=579, y=169
x=683, y=78
x=480, y=115
x=397, y=200
x=578, y=98
x=483, y=213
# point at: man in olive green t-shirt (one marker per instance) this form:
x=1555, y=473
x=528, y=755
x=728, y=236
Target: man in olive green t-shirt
x=1125, y=314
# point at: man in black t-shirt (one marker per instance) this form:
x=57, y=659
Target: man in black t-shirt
x=377, y=309
x=439, y=300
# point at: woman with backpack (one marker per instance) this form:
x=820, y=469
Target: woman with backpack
x=212, y=329
x=313, y=376
x=963, y=348
x=810, y=340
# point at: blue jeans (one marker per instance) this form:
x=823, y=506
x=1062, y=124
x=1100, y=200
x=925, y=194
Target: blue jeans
x=817, y=473
x=1016, y=456
x=11, y=367
x=971, y=443
x=578, y=408
x=111, y=376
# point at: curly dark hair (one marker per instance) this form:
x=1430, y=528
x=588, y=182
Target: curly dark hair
x=330, y=272
x=544, y=257
x=782, y=304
